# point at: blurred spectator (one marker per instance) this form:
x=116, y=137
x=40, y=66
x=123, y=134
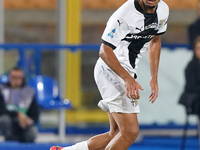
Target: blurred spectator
x=18, y=109
x=194, y=29
x=191, y=96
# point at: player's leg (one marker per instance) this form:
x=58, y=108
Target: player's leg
x=128, y=131
x=98, y=142
x=101, y=141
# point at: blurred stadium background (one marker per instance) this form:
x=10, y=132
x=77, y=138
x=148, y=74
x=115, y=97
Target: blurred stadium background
x=34, y=32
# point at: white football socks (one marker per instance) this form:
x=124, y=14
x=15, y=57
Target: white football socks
x=77, y=146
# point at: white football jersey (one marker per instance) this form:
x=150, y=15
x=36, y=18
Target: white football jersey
x=130, y=29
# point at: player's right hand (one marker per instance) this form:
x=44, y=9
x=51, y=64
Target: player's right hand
x=132, y=88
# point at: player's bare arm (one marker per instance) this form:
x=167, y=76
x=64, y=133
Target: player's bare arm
x=132, y=87
x=154, y=56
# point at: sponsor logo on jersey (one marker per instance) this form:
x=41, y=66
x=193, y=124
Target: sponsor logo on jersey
x=119, y=22
x=111, y=34
x=151, y=26
x=140, y=29
x=136, y=37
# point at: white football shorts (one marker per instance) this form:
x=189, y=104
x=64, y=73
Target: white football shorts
x=113, y=93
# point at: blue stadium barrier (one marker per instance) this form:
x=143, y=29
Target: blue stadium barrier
x=38, y=48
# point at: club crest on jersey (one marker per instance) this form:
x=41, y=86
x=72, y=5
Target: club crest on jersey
x=161, y=23
x=111, y=34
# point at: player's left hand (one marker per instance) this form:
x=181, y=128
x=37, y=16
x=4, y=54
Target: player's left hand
x=154, y=90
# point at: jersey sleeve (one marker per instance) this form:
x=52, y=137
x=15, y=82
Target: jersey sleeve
x=116, y=30
x=163, y=28
x=163, y=23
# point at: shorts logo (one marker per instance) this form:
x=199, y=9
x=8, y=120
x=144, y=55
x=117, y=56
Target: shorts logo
x=134, y=102
x=111, y=34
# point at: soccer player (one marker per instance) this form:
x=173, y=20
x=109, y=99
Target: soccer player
x=135, y=27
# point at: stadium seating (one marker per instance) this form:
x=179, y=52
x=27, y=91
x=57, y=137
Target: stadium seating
x=4, y=79
x=48, y=98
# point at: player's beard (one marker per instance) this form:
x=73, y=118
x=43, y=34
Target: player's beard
x=149, y=7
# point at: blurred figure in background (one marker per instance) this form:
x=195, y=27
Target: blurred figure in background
x=191, y=96
x=194, y=29
x=18, y=109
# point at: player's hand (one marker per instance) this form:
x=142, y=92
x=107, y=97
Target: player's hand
x=132, y=88
x=154, y=90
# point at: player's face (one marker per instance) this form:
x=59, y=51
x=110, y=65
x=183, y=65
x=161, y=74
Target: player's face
x=150, y=4
x=197, y=50
x=16, y=79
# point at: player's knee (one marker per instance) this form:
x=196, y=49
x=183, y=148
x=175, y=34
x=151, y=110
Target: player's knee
x=136, y=132
x=131, y=134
